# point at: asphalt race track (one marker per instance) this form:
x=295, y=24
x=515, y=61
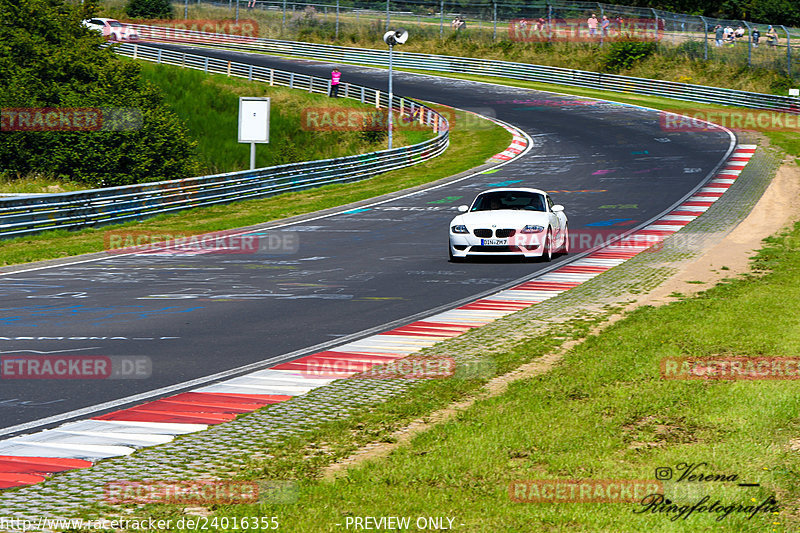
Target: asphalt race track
x=195, y=315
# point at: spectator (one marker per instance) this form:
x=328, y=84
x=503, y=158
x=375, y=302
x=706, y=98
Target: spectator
x=336, y=76
x=772, y=36
x=739, y=33
x=462, y=24
x=719, y=35
x=604, y=25
x=755, y=35
x=592, y=23
x=251, y=3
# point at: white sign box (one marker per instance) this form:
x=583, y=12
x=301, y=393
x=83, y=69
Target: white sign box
x=253, y=120
x=794, y=92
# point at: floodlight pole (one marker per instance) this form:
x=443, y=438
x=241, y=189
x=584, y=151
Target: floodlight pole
x=391, y=95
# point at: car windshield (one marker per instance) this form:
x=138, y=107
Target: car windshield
x=114, y=23
x=528, y=201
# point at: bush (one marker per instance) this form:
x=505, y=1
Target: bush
x=691, y=49
x=149, y=9
x=49, y=60
x=625, y=54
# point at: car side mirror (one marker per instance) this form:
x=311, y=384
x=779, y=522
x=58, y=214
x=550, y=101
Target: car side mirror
x=557, y=208
x=463, y=208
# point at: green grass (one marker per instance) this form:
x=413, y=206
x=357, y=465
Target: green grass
x=471, y=144
x=209, y=105
x=678, y=58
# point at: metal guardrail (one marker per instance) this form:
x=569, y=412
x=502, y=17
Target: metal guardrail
x=482, y=67
x=29, y=215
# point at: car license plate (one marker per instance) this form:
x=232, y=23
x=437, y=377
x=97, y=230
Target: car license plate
x=494, y=242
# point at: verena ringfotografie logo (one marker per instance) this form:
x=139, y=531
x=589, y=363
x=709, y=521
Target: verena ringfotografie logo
x=579, y=30
x=699, y=120
x=582, y=490
x=70, y=119
x=731, y=368
x=75, y=367
x=219, y=242
x=431, y=367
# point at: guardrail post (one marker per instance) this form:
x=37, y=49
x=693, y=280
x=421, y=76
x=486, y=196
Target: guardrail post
x=291, y=80
x=788, y=52
x=135, y=50
x=205, y=65
x=377, y=99
x=363, y=96
x=183, y=60
x=311, y=84
x=158, y=59
x=705, y=38
x=272, y=77
x=441, y=18
x=749, y=44
x=229, y=69
x=250, y=73
x=494, y=20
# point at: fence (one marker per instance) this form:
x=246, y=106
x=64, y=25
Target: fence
x=484, y=67
x=494, y=21
x=25, y=216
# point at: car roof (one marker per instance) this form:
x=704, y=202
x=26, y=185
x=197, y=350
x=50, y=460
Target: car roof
x=513, y=189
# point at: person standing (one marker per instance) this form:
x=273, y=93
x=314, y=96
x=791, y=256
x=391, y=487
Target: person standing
x=592, y=23
x=719, y=35
x=604, y=25
x=336, y=76
x=755, y=36
x=772, y=37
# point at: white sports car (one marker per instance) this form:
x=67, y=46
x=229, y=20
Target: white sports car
x=112, y=29
x=509, y=222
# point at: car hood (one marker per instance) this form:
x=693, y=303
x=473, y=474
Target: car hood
x=503, y=218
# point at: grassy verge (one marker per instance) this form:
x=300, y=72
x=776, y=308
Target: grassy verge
x=678, y=57
x=469, y=147
x=209, y=106
x=606, y=413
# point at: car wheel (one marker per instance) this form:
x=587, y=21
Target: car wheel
x=547, y=253
x=564, y=250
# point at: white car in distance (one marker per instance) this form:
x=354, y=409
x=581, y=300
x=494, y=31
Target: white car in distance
x=112, y=29
x=513, y=222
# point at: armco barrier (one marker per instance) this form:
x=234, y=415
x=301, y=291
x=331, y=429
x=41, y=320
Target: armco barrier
x=482, y=67
x=28, y=215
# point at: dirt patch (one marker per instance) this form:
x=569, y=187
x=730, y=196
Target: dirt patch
x=777, y=208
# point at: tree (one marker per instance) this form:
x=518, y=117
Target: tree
x=150, y=9
x=48, y=59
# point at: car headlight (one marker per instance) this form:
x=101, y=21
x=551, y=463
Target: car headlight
x=530, y=228
x=461, y=228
